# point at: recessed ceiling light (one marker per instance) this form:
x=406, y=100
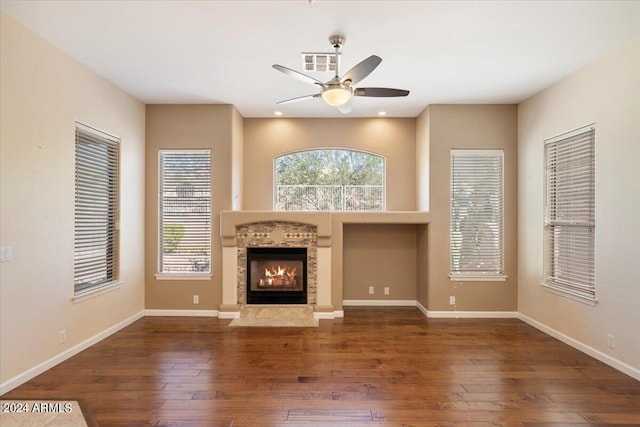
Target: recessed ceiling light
x=278, y=113
x=382, y=113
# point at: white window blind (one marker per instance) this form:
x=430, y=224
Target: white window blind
x=569, y=249
x=96, y=209
x=185, y=212
x=477, y=201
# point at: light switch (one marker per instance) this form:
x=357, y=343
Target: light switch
x=5, y=253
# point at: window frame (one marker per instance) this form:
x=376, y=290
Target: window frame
x=456, y=275
x=557, y=285
x=369, y=153
x=112, y=260
x=188, y=275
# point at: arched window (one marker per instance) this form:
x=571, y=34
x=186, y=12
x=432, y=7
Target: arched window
x=329, y=180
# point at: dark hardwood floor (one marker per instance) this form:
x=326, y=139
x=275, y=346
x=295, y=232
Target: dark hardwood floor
x=377, y=366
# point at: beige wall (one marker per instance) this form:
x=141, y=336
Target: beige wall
x=379, y=255
x=189, y=127
x=606, y=92
x=42, y=93
x=392, y=138
x=469, y=126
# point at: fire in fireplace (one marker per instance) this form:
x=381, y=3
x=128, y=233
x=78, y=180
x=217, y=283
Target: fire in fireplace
x=276, y=275
x=278, y=278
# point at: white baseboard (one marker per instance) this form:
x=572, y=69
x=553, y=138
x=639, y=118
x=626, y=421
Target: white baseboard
x=434, y=314
x=596, y=354
x=472, y=314
x=422, y=308
x=182, y=313
x=328, y=314
x=228, y=314
x=467, y=314
x=379, y=303
x=22, y=378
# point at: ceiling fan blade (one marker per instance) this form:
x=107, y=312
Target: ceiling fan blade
x=297, y=75
x=380, y=92
x=362, y=69
x=345, y=109
x=298, y=99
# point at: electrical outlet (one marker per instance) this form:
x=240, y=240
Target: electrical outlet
x=452, y=300
x=611, y=341
x=196, y=299
x=386, y=290
x=62, y=336
x=370, y=290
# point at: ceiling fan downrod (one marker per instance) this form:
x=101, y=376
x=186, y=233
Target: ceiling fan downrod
x=335, y=92
x=337, y=41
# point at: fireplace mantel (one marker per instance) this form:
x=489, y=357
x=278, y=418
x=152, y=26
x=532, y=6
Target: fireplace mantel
x=329, y=233
x=230, y=220
x=325, y=221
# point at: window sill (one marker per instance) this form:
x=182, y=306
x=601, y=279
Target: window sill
x=179, y=276
x=561, y=292
x=477, y=278
x=94, y=292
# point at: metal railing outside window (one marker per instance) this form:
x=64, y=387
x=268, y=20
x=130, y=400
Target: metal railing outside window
x=330, y=198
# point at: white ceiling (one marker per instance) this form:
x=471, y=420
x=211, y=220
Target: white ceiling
x=222, y=51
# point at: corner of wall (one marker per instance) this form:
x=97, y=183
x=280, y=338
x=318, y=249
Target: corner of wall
x=237, y=155
x=422, y=159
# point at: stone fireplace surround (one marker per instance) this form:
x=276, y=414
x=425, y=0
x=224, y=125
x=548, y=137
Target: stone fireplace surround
x=318, y=231
x=276, y=234
x=242, y=229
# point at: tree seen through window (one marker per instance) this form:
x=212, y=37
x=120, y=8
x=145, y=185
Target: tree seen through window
x=329, y=180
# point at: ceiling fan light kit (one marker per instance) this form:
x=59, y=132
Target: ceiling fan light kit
x=336, y=96
x=338, y=91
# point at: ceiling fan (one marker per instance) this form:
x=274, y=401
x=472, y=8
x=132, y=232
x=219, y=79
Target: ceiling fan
x=338, y=91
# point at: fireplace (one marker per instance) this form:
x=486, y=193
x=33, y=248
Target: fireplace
x=276, y=275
